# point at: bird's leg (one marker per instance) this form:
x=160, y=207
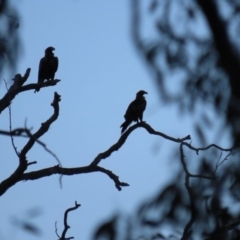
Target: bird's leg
x=141, y=120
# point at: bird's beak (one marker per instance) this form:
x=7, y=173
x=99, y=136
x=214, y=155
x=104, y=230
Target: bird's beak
x=145, y=93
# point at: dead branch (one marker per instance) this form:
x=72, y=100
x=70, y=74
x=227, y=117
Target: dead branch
x=72, y=171
x=18, y=87
x=23, y=163
x=123, y=138
x=188, y=175
x=66, y=226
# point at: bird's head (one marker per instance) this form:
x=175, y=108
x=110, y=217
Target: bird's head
x=141, y=93
x=49, y=50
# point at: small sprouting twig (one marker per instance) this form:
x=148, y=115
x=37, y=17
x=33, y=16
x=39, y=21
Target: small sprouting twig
x=219, y=163
x=31, y=163
x=72, y=171
x=56, y=230
x=219, y=159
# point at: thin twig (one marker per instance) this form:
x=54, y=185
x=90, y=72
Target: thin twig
x=10, y=123
x=26, y=133
x=197, y=150
x=18, y=87
x=220, y=156
x=56, y=230
x=29, y=134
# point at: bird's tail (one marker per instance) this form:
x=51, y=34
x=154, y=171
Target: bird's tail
x=124, y=126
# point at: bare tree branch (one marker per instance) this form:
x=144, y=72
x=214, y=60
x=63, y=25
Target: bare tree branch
x=26, y=133
x=208, y=147
x=124, y=137
x=72, y=171
x=187, y=230
x=45, y=126
x=66, y=226
x=23, y=163
x=18, y=87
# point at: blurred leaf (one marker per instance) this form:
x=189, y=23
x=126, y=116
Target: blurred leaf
x=107, y=230
x=206, y=120
x=26, y=226
x=200, y=134
x=153, y=6
x=158, y=236
x=34, y=212
x=31, y=228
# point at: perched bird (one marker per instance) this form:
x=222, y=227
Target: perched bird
x=135, y=110
x=48, y=66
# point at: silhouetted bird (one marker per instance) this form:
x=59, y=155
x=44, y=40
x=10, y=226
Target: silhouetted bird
x=48, y=66
x=135, y=110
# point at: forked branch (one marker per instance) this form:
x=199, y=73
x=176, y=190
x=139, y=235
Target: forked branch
x=23, y=163
x=18, y=87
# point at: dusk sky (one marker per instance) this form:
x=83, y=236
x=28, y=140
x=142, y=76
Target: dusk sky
x=100, y=72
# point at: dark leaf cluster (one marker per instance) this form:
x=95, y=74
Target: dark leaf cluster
x=10, y=44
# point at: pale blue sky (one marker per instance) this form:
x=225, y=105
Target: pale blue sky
x=100, y=73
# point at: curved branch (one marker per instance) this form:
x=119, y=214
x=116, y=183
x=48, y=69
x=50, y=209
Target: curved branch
x=188, y=175
x=124, y=137
x=45, y=126
x=66, y=226
x=72, y=171
x=17, y=88
x=152, y=131
x=209, y=146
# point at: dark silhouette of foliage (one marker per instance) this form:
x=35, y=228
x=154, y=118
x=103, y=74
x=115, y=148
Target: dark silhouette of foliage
x=195, y=48
x=193, y=55
x=10, y=44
